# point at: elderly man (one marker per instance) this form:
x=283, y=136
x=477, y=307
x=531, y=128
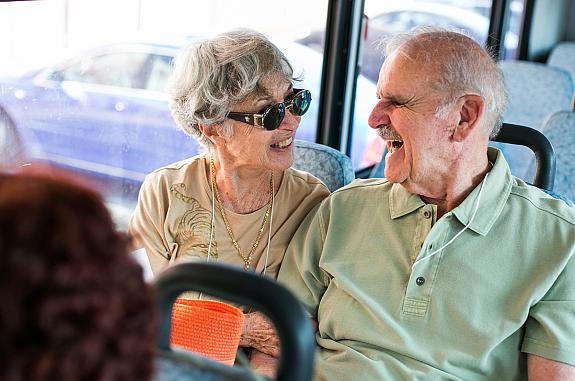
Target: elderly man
x=450, y=268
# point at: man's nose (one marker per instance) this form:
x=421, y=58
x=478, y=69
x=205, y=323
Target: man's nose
x=378, y=116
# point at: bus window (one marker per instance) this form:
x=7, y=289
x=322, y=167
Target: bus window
x=512, y=31
x=88, y=92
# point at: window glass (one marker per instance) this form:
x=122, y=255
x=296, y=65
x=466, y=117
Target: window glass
x=513, y=29
x=159, y=72
x=84, y=87
x=120, y=69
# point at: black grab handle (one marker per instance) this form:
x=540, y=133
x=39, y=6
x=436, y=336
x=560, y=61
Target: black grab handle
x=239, y=286
x=541, y=147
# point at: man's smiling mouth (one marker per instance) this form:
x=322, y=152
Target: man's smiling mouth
x=393, y=140
x=394, y=145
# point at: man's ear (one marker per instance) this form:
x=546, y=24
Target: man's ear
x=471, y=109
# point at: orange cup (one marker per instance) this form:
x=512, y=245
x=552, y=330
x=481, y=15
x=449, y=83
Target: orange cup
x=208, y=327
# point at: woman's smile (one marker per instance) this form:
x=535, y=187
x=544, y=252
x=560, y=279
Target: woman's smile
x=283, y=144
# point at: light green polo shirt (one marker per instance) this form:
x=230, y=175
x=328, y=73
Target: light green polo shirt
x=505, y=287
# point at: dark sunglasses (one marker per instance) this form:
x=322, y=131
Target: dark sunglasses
x=271, y=117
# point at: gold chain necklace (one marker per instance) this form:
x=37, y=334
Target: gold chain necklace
x=247, y=259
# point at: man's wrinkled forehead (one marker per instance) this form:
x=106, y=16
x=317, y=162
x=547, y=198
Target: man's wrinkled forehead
x=402, y=73
x=434, y=48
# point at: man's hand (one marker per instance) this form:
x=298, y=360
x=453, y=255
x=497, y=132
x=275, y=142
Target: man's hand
x=259, y=333
x=540, y=368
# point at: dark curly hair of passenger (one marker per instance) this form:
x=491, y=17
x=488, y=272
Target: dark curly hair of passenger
x=74, y=305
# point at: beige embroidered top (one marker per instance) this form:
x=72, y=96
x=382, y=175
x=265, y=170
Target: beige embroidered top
x=174, y=212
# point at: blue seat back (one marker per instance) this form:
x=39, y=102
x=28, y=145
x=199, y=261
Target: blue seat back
x=329, y=165
x=560, y=130
x=563, y=57
x=535, y=91
x=178, y=366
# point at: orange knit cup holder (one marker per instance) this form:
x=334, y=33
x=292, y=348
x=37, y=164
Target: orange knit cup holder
x=208, y=327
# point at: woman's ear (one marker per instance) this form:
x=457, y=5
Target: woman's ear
x=471, y=110
x=211, y=132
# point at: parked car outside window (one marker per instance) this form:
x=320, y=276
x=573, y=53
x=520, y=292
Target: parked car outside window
x=104, y=113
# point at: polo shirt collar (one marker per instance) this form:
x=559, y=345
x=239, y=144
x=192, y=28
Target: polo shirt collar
x=493, y=198
x=401, y=202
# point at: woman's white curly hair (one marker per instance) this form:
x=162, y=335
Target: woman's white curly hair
x=212, y=75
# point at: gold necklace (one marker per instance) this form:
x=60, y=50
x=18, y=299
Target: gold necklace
x=247, y=259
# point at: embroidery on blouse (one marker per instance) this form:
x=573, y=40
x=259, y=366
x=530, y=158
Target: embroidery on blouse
x=193, y=229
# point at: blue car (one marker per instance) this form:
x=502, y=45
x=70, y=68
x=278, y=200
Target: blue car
x=104, y=112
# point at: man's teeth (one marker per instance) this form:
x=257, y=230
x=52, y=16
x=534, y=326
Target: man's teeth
x=394, y=145
x=283, y=143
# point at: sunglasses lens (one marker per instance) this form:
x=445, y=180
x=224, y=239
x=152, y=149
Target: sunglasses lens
x=301, y=102
x=274, y=116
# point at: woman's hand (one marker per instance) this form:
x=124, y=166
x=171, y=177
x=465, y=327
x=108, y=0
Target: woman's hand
x=260, y=334
x=314, y=325
x=264, y=364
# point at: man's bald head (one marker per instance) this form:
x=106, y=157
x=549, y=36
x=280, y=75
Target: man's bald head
x=456, y=65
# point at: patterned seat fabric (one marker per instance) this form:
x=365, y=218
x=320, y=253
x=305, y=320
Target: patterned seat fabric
x=332, y=167
x=177, y=366
x=560, y=130
x=563, y=56
x=535, y=92
x=559, y=197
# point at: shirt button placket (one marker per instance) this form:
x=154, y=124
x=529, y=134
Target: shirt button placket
x=420, y=280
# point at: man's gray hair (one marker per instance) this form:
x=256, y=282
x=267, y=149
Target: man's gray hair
x=212, y=75
x=463, y=67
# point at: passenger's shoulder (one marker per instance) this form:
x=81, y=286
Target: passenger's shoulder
x=363, y=185
x=359, y=195
x=302, y=178
x=541, y=202
x=176, y=169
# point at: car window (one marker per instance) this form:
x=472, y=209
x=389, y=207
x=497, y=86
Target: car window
x=159, y=69
x=404, y=20
x=393, y=21
x=116, y=69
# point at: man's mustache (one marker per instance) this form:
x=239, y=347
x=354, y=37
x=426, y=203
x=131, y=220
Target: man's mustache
x=386, y=132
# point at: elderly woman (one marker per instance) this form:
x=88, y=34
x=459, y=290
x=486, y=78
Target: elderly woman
x=240, y=203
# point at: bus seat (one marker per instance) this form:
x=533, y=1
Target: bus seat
x=378, y=170
x=329, y=165
x=538, y=144
x=563, y=56
x=535, y=90
x=177, y=366
x=245, y=288
x=560, y=130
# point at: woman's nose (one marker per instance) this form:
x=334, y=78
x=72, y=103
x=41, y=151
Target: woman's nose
x=290, y=121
